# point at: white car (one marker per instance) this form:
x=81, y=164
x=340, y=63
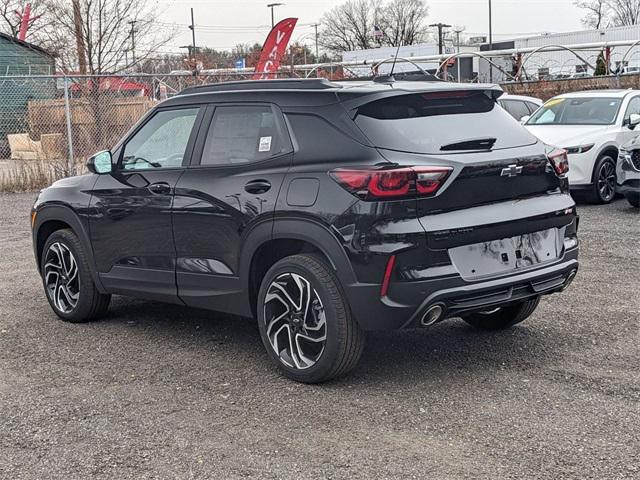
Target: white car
x=591, y=126
x=519, y=106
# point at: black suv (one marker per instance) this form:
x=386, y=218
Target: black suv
x=321, y=209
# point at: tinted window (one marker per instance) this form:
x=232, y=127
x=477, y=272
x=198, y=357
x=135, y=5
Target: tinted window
x=431, y=122
x=516, y=108
x=577, y=111
x=161, y=142
x=242, y=134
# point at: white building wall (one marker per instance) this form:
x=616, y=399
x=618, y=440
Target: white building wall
x=563, y=62
x=421, y=49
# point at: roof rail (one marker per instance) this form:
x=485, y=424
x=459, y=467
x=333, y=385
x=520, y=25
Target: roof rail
x=284, y=84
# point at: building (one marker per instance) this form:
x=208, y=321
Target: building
x=371, y=57
x=564, y=64
x=19, y=63
x=23, y=58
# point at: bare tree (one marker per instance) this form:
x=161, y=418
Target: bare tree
x=349, y=26
x=598, y=13
x=112, y=29
x=403, y=22
x=625, y=12
x=607, y=13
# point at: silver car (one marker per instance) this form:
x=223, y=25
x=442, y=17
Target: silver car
x=628, y=172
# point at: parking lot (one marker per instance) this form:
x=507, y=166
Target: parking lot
x=159, y=391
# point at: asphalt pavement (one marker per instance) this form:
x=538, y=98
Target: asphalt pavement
x=161, y=391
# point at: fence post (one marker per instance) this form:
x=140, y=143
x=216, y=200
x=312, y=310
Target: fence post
x=67, y=113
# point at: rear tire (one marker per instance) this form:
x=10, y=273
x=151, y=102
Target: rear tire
x=504, y=317
x=305, y=321
x=603, y=189
x=67, y=280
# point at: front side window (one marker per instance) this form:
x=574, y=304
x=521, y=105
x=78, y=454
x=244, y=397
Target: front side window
x=161, y=142
x=633, y=108
x=240, y=135
x=577, y=111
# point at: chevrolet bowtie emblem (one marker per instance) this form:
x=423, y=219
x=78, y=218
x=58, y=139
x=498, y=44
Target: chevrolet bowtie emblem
x=511, y=171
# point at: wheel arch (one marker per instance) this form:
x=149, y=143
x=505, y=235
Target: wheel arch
x=51, y=218
x=290, y=237
x=611, y=150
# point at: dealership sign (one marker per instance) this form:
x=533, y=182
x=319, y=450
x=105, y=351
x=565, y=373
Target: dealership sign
x=274, y=48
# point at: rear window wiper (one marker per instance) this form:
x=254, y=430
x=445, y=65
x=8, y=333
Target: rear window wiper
x=478, y=144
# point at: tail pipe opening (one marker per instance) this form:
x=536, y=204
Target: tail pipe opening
x=432, y=315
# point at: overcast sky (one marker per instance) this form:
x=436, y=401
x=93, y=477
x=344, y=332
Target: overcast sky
x=223, y=24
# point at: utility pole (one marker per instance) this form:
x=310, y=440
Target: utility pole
x=458, y=31
x=490, y=41
x=440, y=36
x=315, y=25
x=133, y=40
x=193, y=48
x=292, y=53
x=272, y=6
x=80, y=47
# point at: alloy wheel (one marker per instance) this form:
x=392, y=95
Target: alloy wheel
x=295, y=320
x=607, y=181
x=61, y=277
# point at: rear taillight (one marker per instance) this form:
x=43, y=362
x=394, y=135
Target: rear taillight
x=560, y=161
x=392, y=183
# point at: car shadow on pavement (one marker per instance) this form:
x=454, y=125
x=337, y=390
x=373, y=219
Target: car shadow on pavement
x=418, y=356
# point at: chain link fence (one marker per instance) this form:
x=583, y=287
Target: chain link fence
x=50, y=125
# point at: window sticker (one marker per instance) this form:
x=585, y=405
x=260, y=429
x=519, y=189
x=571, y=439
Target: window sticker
x=265, y=144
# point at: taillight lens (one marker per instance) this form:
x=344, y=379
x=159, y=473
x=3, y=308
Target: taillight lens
x=392, y=183
x=560, y=161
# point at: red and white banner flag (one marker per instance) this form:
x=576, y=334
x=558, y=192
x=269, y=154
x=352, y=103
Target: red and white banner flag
x=274, y=48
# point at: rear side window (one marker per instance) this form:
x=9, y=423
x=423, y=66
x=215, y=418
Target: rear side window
x=516, y=108
x=438, y=122
x=240, y=135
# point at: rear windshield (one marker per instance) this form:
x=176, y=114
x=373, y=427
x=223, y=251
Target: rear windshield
x=577, y=111
x=440, y=122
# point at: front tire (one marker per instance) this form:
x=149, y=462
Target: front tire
x=633, y=199
x=305, y=321
x=67, y=279
x=503, y=317
x=603, y=189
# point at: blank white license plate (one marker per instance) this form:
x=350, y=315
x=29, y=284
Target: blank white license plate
x=505, y=255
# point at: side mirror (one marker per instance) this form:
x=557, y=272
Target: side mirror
x=525, y=119
x=634, y=120
x=100, y=163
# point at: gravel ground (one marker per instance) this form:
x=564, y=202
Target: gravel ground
x=159, y=391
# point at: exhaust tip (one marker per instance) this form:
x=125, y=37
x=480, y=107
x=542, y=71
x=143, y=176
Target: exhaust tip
x=570, y=277
x=432, y=315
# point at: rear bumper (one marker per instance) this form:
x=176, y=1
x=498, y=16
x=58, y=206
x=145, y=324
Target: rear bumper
x=455, y=295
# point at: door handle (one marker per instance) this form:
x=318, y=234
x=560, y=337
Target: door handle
x=257, y=186
x=160, y=188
